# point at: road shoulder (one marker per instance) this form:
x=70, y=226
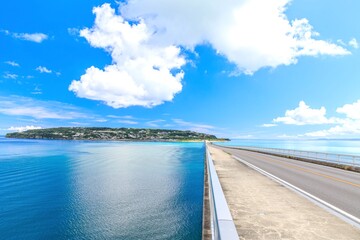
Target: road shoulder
x=264, y=209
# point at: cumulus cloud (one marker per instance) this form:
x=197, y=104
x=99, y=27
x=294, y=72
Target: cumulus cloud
x=24, y=106
x=304, y=115
x=146, y=37
x=353, y=42
x=250, y=33
x=24, y=128
x=43, y=69
x=347, y=126
x=142, y=74
x=352, y=111
x=350, y=125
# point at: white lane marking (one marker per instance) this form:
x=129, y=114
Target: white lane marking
x=345, y=216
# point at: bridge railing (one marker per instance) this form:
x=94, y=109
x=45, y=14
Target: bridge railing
x=222, y=224
x=344, y=159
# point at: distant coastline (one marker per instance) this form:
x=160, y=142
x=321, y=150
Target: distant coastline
x=115, y=134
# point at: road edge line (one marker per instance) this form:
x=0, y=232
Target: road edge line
x=347, y=217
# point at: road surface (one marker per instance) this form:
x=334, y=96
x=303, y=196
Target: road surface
x=338, y=187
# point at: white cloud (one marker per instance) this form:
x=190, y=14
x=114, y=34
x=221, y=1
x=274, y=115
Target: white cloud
x=250, y=33
x=142, y=73
x=285, y=136
x=155, y=123
x=79, y=123
x=12, y=63
x=36, y=91
x=243, y=136
x=124, y=117
x=73, y=31
x=24, y=106
x=341, y=42
x=348, y=126
x=145, y=41
x=352, y=111
x=268, y=125
x=43, y=69
x=10, y=76
x=32, y=37
x=353, y=42
x=196, y=127
x=306, y=45
x=24, y=128
x=304, y=115
x=128, y=122
x=100, y=120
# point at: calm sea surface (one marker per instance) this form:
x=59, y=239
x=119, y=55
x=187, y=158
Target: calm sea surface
x=331, y=146
x=100, y=190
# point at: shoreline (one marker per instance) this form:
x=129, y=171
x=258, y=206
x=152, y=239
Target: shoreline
x=121, y=140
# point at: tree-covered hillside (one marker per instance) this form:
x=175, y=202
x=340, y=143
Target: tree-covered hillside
x=95, y=133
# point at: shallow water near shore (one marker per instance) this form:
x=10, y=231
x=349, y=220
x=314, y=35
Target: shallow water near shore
x=100, y=190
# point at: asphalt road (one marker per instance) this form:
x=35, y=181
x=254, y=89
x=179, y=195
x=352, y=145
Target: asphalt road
x=338, y=187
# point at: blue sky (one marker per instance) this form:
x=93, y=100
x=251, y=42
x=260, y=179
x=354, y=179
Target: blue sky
x=238, y=69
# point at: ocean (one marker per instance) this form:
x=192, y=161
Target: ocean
x=100, y=190
x=351, y=147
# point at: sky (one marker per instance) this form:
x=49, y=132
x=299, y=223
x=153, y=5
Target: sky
x=247, y=69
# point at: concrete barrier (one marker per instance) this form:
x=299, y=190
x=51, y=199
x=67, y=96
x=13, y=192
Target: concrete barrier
x=222, y=224
x=345, y=159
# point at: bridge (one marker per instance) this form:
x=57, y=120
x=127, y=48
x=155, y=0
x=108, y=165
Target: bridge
x=270, y=196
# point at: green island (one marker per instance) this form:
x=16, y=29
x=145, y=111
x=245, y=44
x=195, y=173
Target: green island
x=114, y=134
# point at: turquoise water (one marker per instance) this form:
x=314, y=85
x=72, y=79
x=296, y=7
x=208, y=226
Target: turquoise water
x=100, y=190
x=330, y=146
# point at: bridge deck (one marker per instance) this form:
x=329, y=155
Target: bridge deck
x=263, y=209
